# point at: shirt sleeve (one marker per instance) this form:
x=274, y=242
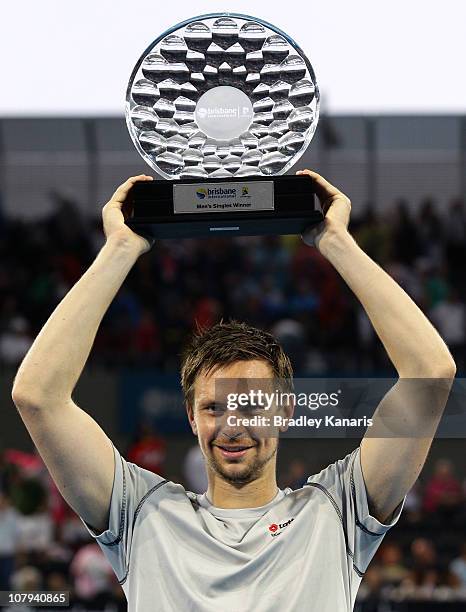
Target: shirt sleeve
x=131, y=486
x=343, y=483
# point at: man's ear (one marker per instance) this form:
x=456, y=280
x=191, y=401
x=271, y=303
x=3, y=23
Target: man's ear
x=192, y=422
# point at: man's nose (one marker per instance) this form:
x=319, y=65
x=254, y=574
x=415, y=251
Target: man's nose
x=230, y=428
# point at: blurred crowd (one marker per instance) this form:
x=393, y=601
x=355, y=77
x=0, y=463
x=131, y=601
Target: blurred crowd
x=424, y=557
x=45, y=546
x=273, y=282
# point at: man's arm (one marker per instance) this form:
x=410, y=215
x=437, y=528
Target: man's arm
x=76, y=451
x=390, y=465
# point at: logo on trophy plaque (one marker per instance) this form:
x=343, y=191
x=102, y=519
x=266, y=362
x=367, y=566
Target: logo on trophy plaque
x=222, y=106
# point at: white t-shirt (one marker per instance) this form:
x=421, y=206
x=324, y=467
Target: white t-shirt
x=307, y=549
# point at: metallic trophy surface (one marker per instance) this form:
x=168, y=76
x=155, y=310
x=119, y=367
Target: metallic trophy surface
x=223, y=105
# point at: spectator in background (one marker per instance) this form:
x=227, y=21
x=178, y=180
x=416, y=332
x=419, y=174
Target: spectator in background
x=57, y=581
x=458, y=567
x=412, y=279
x=373, y=235
x=297, y=474
x=148, y=450
x=206, y=312
x=404, y=235
x=27, y=578
x=425, y=570
x=35, y=531
x=455, y=235
x=392, y=568
x=9, y=533
x=68, y=229
x=436, y=285
x=2, y=217
x=449, y=316
x=30, y=464
x=443, y=493
x=430, y=231
x=146, y=339
x=274, y=303
x=7, y=473
x=370, y=590
x=412, y=509
x=30, y=497
x=93, y=576
x=15, y=341
x=291, y=334
x=367, y=340
x=117, y=338
x=72, y=530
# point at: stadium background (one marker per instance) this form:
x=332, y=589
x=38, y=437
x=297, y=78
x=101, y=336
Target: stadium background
x=404, y=169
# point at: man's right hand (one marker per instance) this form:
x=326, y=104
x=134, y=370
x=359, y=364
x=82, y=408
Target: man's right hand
x=114, y=220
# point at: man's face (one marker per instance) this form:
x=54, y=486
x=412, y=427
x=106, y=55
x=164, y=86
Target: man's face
x=236, y=453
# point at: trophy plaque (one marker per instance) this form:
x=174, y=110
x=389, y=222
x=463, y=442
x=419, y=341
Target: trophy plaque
x=222, y=106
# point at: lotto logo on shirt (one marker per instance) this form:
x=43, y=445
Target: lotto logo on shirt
x=276, y=530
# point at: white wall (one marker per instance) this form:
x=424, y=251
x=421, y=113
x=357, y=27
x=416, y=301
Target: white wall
x=75, y=58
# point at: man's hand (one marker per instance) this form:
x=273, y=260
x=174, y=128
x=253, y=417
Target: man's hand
x=336, y=207
x=114, y=220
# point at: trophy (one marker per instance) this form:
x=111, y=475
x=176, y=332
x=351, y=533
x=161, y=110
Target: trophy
x=222, y=105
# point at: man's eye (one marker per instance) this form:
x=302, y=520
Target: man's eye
x=215, y=408
x=252, y=408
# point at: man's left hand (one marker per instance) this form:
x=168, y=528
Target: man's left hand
x=336, y=207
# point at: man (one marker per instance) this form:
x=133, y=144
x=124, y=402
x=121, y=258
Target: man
x=243, y=545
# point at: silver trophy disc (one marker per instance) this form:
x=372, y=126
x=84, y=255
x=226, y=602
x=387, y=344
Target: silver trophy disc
x=222, y=95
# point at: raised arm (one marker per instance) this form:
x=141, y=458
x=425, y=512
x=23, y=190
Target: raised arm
x=390, y=465
x=76, y=451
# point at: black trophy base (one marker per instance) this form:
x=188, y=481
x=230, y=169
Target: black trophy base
x=193, y=208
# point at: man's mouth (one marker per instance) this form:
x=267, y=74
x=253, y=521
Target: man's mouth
x=233, y=451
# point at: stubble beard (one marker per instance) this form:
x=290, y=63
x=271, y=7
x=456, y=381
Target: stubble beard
x=249, y=473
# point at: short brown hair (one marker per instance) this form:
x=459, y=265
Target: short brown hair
x=226, y=343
